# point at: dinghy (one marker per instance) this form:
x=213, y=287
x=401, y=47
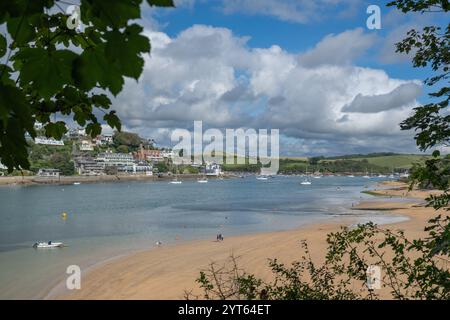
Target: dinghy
x=47, y=245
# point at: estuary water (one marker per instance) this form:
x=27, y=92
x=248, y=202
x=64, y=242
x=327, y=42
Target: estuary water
x=110, y=219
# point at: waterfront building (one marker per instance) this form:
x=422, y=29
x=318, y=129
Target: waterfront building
x=51, y=173
x=116, y=159
x=154, y=156
x=137, y=167
x=89, y=166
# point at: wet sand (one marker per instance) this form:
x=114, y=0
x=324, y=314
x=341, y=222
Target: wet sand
x=166, y=272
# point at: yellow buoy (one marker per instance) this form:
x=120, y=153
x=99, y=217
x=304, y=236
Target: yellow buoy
x=64, y=215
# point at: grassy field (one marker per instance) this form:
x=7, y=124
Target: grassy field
x=396, y=161
x=358, y=164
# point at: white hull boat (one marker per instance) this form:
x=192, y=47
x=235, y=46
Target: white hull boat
x=48, y=245
x=305, y=182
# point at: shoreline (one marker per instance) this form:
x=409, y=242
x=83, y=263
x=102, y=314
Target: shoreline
x=68, y=180
x=166, y=272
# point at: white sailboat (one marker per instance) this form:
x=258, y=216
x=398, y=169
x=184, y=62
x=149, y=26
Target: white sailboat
x=202, y=180
x=366, y=176
x=176, y=181
x=306, y=180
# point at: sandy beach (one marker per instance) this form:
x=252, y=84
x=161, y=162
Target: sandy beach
x=166, y=272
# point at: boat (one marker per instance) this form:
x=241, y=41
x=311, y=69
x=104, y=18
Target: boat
x=306, y=181
x=175, y=181
x=351, y=176
x=202, y=180
x=261, y=178
x=76, y=183
x=404, y=175
x=48, y=245
x=366, y=176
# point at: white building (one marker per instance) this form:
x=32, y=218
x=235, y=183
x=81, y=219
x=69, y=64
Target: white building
x=38, y=125
x=116, y=159
x=48, y=141
x=104, y=139
x=213, y=169
x=168, y=154
x=52, y=173
x=76, y=133
x=86, y=145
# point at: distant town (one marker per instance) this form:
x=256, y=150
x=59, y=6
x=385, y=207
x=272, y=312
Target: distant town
x=107, y=154
x=128, y=154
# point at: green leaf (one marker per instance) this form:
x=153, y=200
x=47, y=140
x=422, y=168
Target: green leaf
x=110, y=13
x=6, y=73
x=101, y=100
x=93, y=129
x=91, y=68
x=46, y=71
x=2, y=46
x=112, y=120
x=131, y=44
x=13, y=101
x=55, y=129
x=21, y=30
x=15, y=120
x=161, y=3
x=436, y=153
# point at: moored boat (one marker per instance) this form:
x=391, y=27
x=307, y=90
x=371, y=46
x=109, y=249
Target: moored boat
x=48, y=245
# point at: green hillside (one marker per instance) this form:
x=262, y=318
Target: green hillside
x=401, y=161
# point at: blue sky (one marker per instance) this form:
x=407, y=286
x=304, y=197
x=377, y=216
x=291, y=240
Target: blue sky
x=310, y=68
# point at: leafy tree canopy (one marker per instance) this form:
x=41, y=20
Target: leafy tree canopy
x=128, y=139
x=51, y=68
x=430, y=48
